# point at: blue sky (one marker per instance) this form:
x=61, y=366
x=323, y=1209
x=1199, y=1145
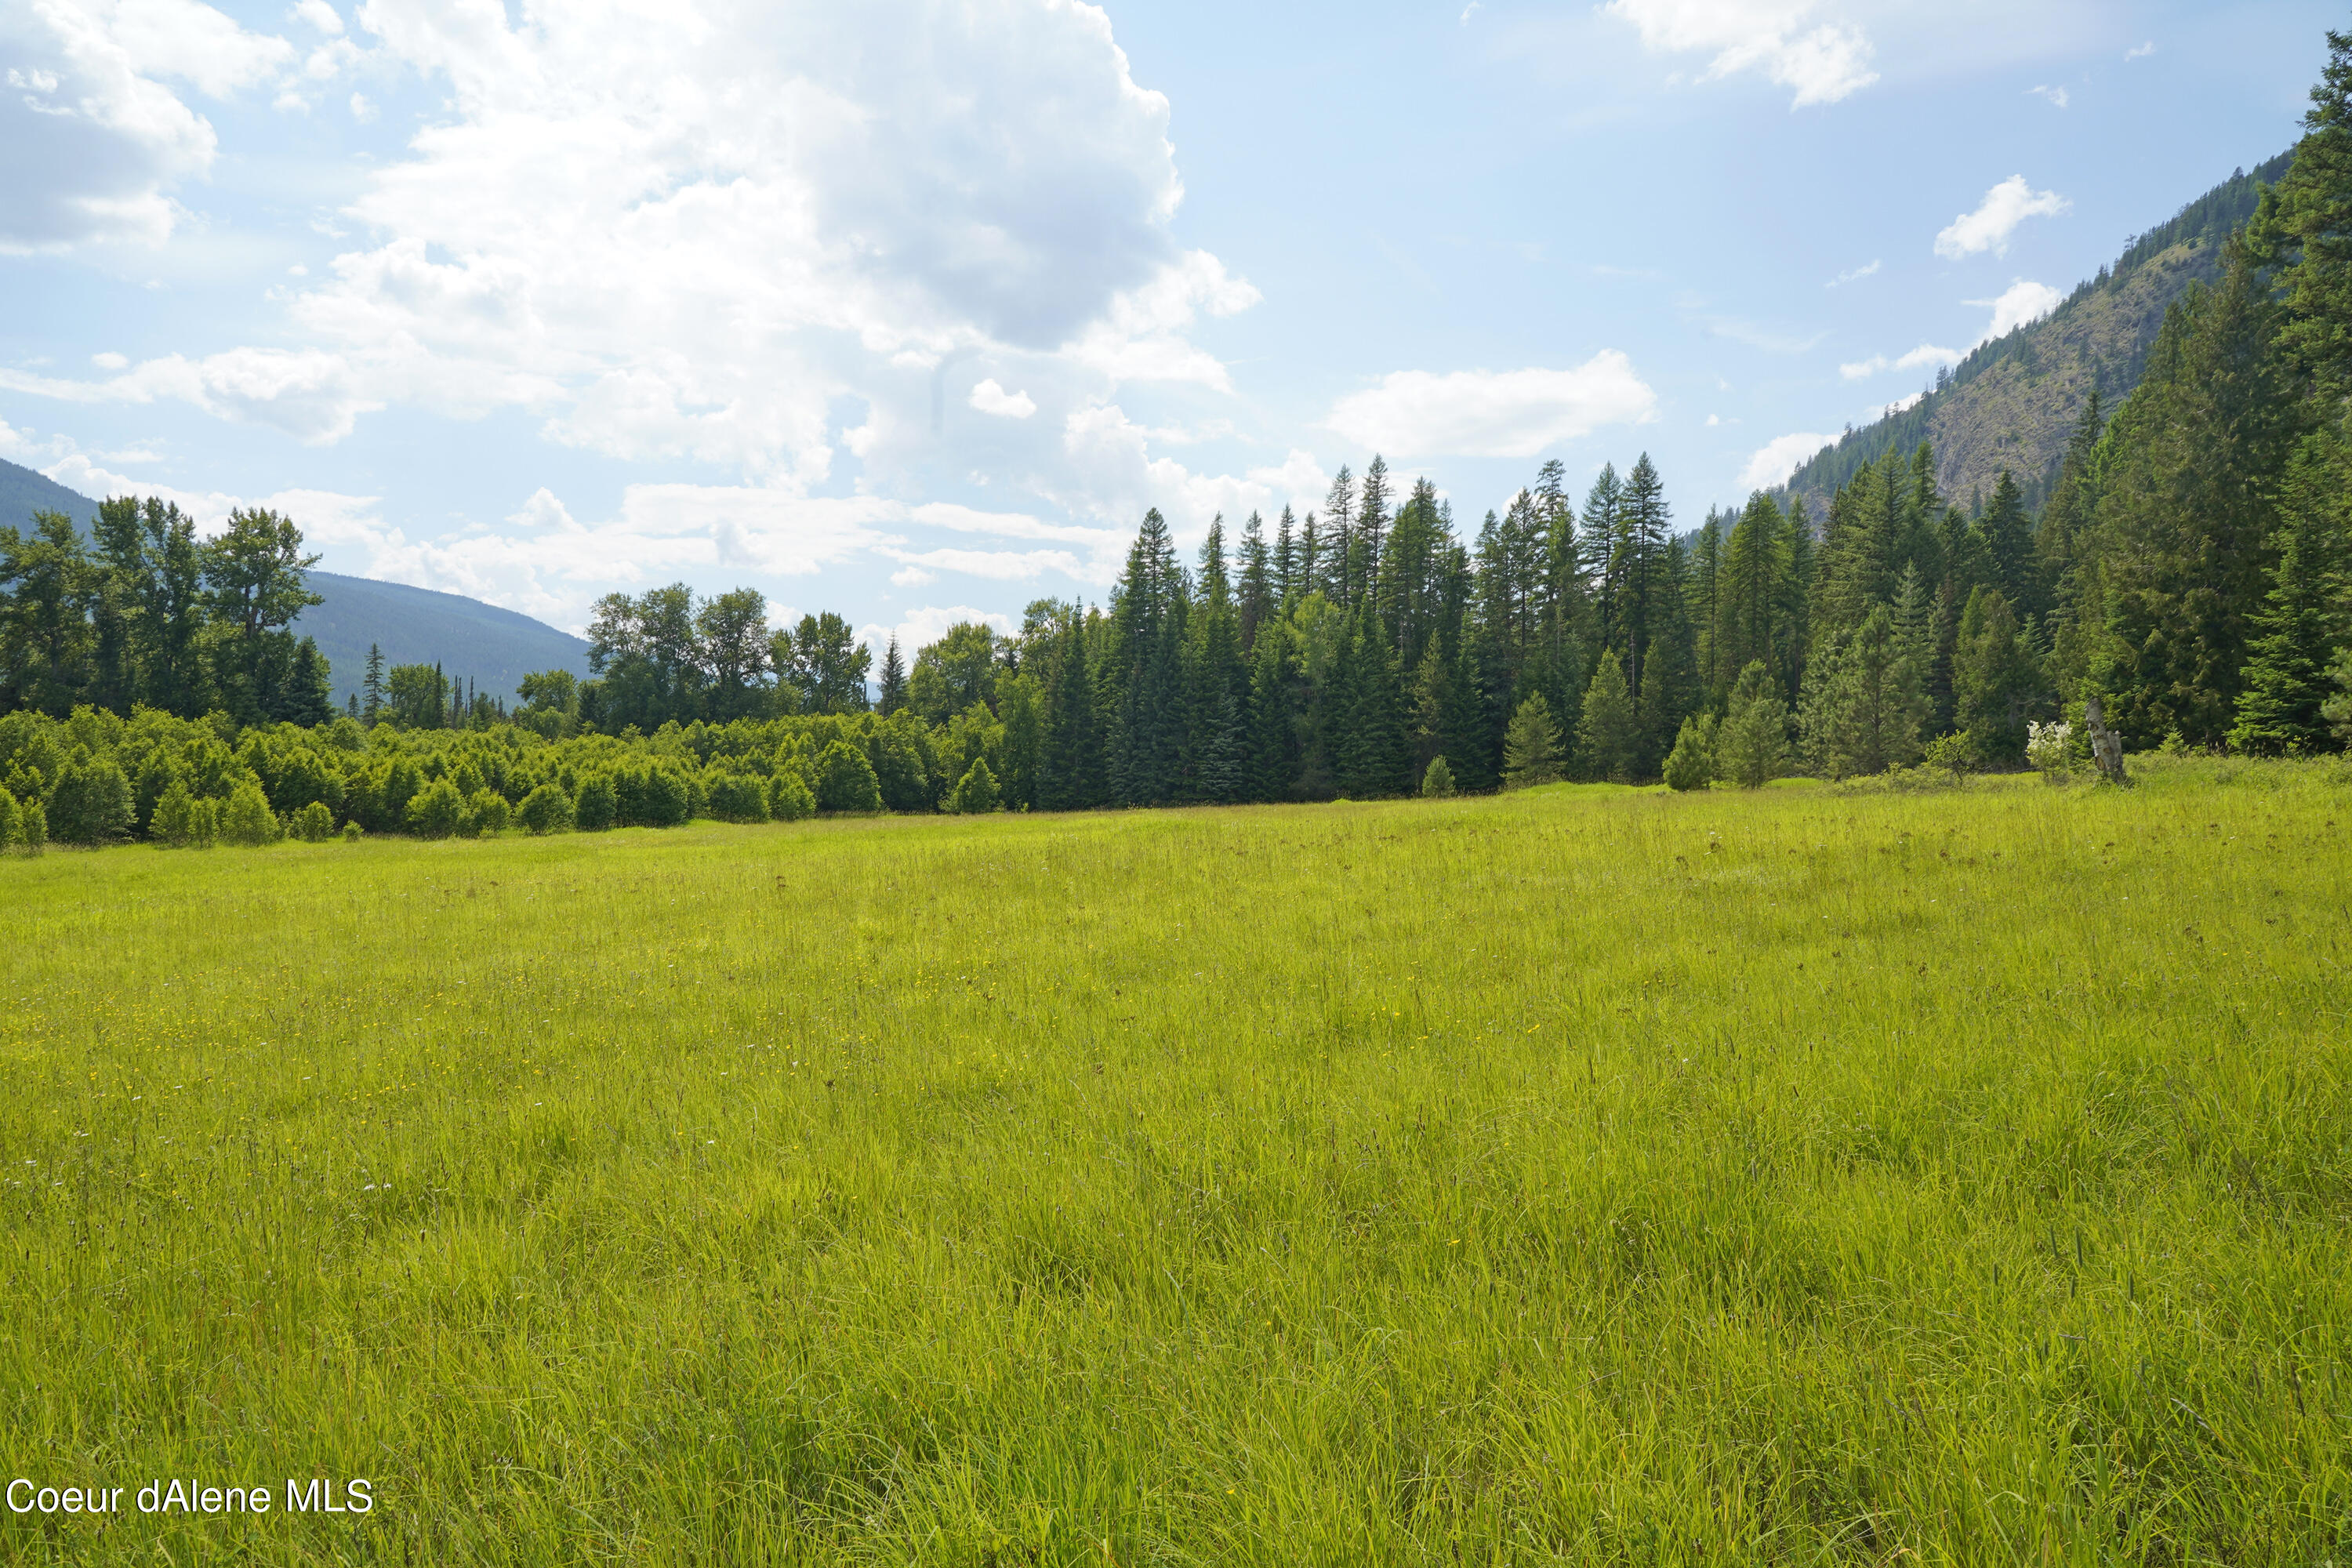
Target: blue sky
x=909, y=309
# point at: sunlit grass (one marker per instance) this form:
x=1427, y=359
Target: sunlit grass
x=1586, y=1175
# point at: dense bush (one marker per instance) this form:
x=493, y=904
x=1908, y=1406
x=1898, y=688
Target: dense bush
x=546, y=810
x=437, y=810
x=91, y=803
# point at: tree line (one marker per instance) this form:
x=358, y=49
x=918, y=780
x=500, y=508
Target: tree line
x=143, y=613
x=2192, y=566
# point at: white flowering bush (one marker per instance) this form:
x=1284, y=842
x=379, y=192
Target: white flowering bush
x=2048, y=747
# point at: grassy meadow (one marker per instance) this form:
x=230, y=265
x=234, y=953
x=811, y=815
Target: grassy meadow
x=1587, y=1175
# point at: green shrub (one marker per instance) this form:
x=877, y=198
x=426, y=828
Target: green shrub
x=315, y=822
x=488, y=814
x=352, y=832
x=598, y=804
x=789, y=799
x=738, y=797
x=173, y=824
x=1437, y=783
x=844, y=780
x=33, y=828
x=975, y=792
x=437, y=810
x=247, y=820
x=1691, y=764
x=11, y=820
x=91, y=803
x=546, y=810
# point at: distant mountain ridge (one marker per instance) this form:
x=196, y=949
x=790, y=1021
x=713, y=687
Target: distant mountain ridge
x=2012, y=403
x=493, y=649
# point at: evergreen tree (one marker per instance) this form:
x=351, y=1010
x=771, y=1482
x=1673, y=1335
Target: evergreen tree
x=1608, y=736
x=1070, y=773
x=1371, y=525
x=2187, y=509
x=893, y=694
x=1273, y=730
x=1531, y=745
x=373, y=686
x=2298, y=627
x=1286, y=564
x=1754, y=597
x=2007, y=540
x=1338, y=538
x=1751, y=747
x=1216, y=695
x=1997, y=680
x=1867, y=713
x=1691, y=764
x=2304, y=226
x=1144, y=674
x=1257, y=602
x=1671, y=691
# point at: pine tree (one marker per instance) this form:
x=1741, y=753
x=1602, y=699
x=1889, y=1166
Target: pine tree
x=2007, y=537
x=1371, y=524
x=1691, y=764
x=1751, y=747
x=1608, y=737
x=2304, y=223
x=1286, y=563
x=2187, y=510
x=1338, y=538
x=372, y=687
x=1258, y=598
x=1671, y=691
x=1640, y=568
x=1532, y=746
x=1867, y=713
x=1997, y=682
x=1273, y=731
x=1145, y=673
x=893, y=695
x=1754, y=596
x=1070, y=772
x=2296, y=631
x=1216, y=685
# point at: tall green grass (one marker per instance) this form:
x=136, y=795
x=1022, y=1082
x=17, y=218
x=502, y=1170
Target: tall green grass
x=1586, y=1175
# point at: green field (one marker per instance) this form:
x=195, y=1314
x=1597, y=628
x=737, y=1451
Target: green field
x=1586, y=1175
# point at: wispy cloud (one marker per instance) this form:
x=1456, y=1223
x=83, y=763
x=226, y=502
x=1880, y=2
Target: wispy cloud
x=1823, y=64
x=1917, y=359
x=2053, y=96
x=1856, y=276
x=2142, y=52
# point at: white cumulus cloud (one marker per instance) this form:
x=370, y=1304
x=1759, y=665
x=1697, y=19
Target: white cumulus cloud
x=1823, y=62
x=2006, y=205
x=1487, y=414
x=695, y=241
x=2022, y=301
x=1777, y=459
x=991, y=398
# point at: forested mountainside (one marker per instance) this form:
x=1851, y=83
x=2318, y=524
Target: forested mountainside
x=2013, y=402
x=480, y=646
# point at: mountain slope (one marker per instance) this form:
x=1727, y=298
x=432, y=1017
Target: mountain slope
x=2011, y=402
x=492, y=647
